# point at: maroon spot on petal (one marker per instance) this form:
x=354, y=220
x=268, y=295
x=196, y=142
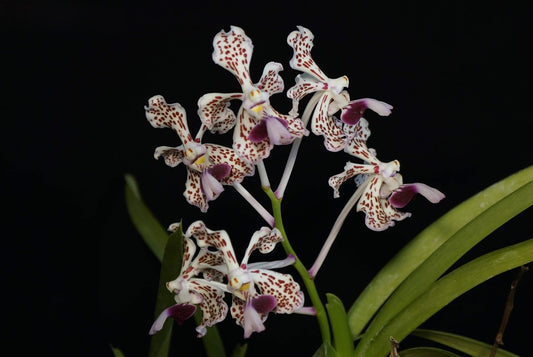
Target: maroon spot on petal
x=181, y=312
x=264, y=303
x=403, y=195
x=259, y=132
x=353, y=112
x=219, y=171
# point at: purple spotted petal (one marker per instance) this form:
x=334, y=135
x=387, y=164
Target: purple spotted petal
x=219, y=171
x=179, y=312
x=263, y=304
x=405, y=193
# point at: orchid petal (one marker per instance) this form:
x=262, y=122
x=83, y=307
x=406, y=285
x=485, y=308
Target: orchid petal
x=350, y=170
x=271, y=82
x=305, y=84
x=282, y=287
x=322, y=124
x=216, y=239
x=239, y=168
x=193, y=190
x=265, y=240
x=219, y=171
x=370, y=203
x=357, y=146
x=277, y=131
x=251, y=152
x=173, y=116
x=214, y=111
x=211, y=187
x=173, y=156
x=233, y=51
x=263, y=304
x=403, y=195
x=214, y=308
x=180, y=312
x=354, y=111
x=302, y=42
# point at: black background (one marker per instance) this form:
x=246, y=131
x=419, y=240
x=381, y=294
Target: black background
x=76, y=76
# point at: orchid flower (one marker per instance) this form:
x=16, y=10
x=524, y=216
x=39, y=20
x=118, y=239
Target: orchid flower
x=382, y=188
x=256, y=289
x=209, y=166
x=333, y=96
x=258, y=126
x=190, y=290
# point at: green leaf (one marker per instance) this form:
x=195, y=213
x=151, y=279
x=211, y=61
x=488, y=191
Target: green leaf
x=459, y=222
x=461, y=343
x=342, y=337
x=117, y=352
x=448, y=288
x=170, y=269
x=144, y=221
x=326, y=350
x=427, y=352
x=456, y=233
x=239, y=350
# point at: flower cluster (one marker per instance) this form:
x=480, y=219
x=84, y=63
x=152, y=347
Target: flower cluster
x=212, y=272
x=207, y=275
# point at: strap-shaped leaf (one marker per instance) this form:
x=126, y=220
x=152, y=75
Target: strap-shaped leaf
x=170, y=269
x=427, y=352
x=448, y=288
x=460, y=343
x=494, y=206
x=151, y=231
x=457, y=223
x=342, y=338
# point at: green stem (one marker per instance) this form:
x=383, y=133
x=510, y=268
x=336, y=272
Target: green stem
x=309, y=283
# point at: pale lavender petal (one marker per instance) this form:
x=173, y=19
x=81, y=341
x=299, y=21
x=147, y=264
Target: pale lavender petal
x=277, y=131
x=211, y=187
x=252, y=321
x=405, y=193
x=179, y=312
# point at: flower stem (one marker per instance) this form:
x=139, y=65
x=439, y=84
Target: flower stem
x=254, y=203
x=309, y=283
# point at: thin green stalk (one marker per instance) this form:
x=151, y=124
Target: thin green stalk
x=321, y=314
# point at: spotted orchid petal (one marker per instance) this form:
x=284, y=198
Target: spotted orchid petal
x=233, y=51
x=208, y=170
x=221, y=155
x=350, y=170
x=179, y=312
x=214, y=111
x=271, y=82
x=356, y=145
x=403, y=195
x=250, y=151
x=173, y=116
x=220, y=240
x=370, y=203
x=282, y=287
x=264, y=240
x=214, y=308
x=173, y=156
x=305, y=84
x=302, y=42
x=323, y=124
x=354, y=111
